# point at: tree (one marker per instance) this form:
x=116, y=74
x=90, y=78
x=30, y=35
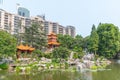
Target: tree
x=93, y=40
x=78, y=46
x=78, y=41
x=85, y=43
x=7, y=44
x=35, y=36
x=66, y=41
x=60, y=52
x=108, y=40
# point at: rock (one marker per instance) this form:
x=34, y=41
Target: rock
x=88, y=57
x=51, y=67
x=80, y=66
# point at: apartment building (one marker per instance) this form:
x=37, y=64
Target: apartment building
x=48, y=27
x=70, y=30
x=55, y=28
x=5, y=20
x=62, y=30
x=14, y=23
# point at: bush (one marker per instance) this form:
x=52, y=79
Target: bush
x=60, y=52
x=47, y=55
x=79, y=53
x=56, y=60
x=94, y=67
x=4, y=66
x=7, y=44
x=38, y=53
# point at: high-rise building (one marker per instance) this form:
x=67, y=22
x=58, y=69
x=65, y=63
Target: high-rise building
x=55, y=28
x=23, y=12
x=5, y=20
x=70, y=30
x=62, y=30
x=48, y=27
x=14, y=23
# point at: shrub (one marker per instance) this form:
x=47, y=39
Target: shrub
x=60, y=52
x=94, y=67
x=4, y=66
x=38, y=53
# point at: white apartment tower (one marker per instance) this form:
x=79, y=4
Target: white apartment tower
x=14, y=23
x=70, y=30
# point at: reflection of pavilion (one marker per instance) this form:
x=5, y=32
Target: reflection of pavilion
x=23, y=49
x=52, y=41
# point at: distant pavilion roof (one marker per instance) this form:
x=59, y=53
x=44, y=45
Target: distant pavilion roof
x=53, y=43
x=52, y=33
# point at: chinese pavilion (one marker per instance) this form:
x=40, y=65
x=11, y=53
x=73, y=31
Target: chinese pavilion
x=23, y=49
x=52, y=41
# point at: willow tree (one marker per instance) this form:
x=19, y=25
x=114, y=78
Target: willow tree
x=108, y=40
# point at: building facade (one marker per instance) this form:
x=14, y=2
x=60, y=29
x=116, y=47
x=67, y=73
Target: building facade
x=14, y=23
x=70, y=30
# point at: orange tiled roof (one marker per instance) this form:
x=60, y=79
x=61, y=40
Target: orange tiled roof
x=52, y=34
x=54, y=43
x=22, y=47
x=31, y=49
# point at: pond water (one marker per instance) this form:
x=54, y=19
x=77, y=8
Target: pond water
x=113, y=73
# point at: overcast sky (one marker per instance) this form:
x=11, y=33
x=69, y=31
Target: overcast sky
x=80, y=13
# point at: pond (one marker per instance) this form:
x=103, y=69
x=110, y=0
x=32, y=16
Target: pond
x=112, y=73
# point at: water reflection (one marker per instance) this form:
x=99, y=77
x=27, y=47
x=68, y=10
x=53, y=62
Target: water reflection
x=87, y=75
x=113, y=74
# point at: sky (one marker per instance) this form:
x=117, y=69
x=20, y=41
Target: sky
x=79, y=13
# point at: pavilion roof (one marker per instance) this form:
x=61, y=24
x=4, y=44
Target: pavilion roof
x=52, y=33
x=53, y=43
x=25, y=48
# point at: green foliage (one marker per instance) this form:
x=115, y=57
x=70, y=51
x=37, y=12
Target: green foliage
x=66, y=65
x=66, y=41
x=17, y=69
x=47, y=55
x=4, y=66
x=35, y=36
x=94, y=67
x=109, y=40
x=85, y=43
x=61, y=52
x=78, y=42
x=78, y=53
x=56, y=60
x=7, y=44
x=38, y=52
x=93, y=41
x=74, y=44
